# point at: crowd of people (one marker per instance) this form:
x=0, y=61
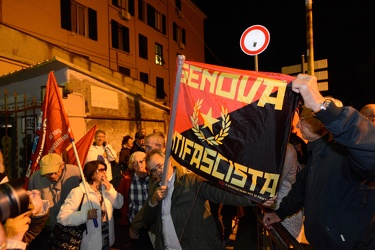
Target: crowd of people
x=327, y=187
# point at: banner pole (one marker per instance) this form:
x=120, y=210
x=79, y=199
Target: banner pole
x=180, y=63
x=83, y=178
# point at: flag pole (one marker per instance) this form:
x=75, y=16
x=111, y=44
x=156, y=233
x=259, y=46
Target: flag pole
x=180, y=63
x=83, y=178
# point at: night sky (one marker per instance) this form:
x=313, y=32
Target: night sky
x=344, y=33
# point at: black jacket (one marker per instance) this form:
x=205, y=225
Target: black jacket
x=136, y=148
x=335, y=187
x=193, y=222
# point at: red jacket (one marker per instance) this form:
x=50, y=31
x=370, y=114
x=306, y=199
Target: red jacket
x=123, y=188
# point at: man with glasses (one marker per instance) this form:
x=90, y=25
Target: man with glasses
x=336, y=187
x=369, y=112
x=54, y=180
x=179, y=211
x=134, y=187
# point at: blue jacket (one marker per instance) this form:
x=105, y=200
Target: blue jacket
x=336, y=187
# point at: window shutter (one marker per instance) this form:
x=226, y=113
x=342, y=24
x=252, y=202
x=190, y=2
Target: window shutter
x=164, y=25
x=115, y=3
x=131, y=7
x=66, y=22
x=93, y=26
x=114, y=34
x=125, y=39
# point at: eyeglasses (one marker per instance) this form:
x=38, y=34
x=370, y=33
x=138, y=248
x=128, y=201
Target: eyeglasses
x=135, y=163
x=302, y=121
x=369, y=116
x=158, y=167
x=100, y=170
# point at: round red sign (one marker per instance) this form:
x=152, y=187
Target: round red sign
x=254, y=40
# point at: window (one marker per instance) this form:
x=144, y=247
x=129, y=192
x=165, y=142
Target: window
x=141, y=15
x=159, y=54
x=178, y=8
x=179, y=34
x=156, y=20
x=120, y=36
x=142, y=40
x=183, y=36
x=123, y=70
x=127, y=5
x=79, y=19
x=178, y=5
x=143, y=77
x=160, y=93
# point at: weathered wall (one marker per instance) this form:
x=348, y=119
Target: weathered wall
x=115, y=111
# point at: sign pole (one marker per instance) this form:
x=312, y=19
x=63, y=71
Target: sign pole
x=310, y=39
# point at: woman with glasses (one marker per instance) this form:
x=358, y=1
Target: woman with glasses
x=134, y=188
x=103, y=197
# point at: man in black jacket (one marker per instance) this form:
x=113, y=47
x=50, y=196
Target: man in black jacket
x=179, y=212
x=139, y=143
x=336, y=187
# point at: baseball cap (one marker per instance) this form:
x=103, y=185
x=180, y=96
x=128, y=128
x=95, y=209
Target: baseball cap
x=50, y=163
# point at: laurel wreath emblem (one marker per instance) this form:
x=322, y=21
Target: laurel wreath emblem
x=225, y=125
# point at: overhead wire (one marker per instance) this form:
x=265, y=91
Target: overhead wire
x=197, y=34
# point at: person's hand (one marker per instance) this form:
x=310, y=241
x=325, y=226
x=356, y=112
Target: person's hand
x=106, y=182
x=133, y=235
x=92, y=214
x=15, y=228
x=36, y=200
x=269, y=219
x=159, y=194
x=269, y=202
x=307, y=86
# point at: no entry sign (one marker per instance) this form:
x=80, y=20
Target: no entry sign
x=254, y=40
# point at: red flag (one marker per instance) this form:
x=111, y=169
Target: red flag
x=83, y=146
x=232, y=126
x=55, y=133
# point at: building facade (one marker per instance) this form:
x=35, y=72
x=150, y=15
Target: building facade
x=121, y=50
x=137, y=38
